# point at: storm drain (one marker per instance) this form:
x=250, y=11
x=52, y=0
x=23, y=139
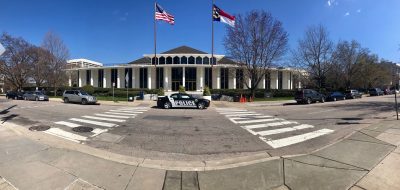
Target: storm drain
x=82, y=129
x=347, y=123
x=39, y=128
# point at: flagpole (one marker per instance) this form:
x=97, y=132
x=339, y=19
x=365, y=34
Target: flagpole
x=212, y=33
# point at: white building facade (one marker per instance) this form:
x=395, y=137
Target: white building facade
x=182, y=66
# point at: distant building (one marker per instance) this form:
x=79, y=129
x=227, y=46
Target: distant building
x=82, y=63
x=182, y=66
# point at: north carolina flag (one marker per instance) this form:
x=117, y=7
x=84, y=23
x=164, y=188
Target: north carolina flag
x=221, y=16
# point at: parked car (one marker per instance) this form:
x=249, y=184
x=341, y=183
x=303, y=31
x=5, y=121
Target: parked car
x=182, y=100
x=375, y=92
x=308, y=96
x=395, y=91
x=37, y=96
x=353, y=94
x=334, y=96
x=14, y=95
x=78, y=96
x=387, y=91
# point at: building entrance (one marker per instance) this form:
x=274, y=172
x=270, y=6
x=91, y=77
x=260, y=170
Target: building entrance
x=176, y=76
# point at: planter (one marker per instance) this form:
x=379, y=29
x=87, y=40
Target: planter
x=207, y=97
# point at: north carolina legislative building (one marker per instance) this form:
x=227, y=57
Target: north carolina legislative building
x=184, y=66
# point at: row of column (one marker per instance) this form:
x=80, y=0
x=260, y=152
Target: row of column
x=287, y=79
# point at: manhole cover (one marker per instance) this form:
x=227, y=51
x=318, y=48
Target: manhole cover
x=380, y=117
x=82, y=129
x=39, y=128
x=352, y=118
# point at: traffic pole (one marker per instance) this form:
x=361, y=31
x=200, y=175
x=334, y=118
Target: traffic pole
x=397, y=106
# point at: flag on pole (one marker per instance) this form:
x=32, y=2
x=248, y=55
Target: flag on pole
x=220, y=16
x=127, y=79
x=2, y=50
x=161, y=14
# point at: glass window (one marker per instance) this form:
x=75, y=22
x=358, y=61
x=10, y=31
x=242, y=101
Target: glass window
x=169, y=60
x=191, y=60
x=101, y=78
x=185, y=96
x=128, y=71
x=280, y=80
x=190, y=78
x=199, y=60
x=208, y=77
x=239, y=79
x=159, y=78
x=184, y=60
x=88, y=76
x=268, y=81
x=224, y=82
x=177, y=60
x=206, y=60
x=176, y=78
x=174, y=96
x=152, y=61
x=143, y=78
x=161, y=61
x=114, y=76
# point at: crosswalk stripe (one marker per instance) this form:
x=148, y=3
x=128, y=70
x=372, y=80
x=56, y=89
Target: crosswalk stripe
x=269, y=124
x=68, y=124
x=104, y=124
x=113, y=116
x=283, y=130
x=104, y=119
x=66, y=135
x=296, y=139
x=133, y=109
x=243, y=112
x=243, y=115
x=98, y=131
x=255, y=117
x=230, y=109
x=125, y=111
x=116, y=113
x=257, y=120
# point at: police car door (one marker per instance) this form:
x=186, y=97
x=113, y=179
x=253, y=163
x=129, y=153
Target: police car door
x=186, y=101
x=172, y=99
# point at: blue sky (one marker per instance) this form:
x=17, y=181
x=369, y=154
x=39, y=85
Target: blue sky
x=112, y=31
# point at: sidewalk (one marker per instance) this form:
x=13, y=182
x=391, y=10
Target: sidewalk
x=368, y=159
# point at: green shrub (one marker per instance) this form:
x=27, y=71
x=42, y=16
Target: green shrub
x=181, y=89
x=206, y=91
x=89, y=89
x=160, y=92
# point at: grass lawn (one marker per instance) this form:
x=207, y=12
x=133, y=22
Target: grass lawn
x=274, y=99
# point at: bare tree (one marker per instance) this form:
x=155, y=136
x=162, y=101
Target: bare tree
x=256, y=42
x=15, y=62
x=40, y=65
x=314, y=54
x=57, y=63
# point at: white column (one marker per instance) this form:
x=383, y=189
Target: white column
x=261, y=84
x=107, y=78
x=135, y=77
x=183, y=76
x=121, y=78
x=250, y=82
x=167, y=74
x=277, y=80
x=216, y=75
x=149, y=78
x=199, y=78
x=95, y=78
x=232, y=78
x=70, y=78
x=154, y=77
x=79, y=78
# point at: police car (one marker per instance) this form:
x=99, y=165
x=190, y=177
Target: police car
x=181, y=100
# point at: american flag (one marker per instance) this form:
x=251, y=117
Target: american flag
x=161, y=14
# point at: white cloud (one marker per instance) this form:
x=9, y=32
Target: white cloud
x=347, y=14
x=359, y=11
x=332, y=3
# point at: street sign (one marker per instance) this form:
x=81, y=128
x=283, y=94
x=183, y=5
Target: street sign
x=2, y=50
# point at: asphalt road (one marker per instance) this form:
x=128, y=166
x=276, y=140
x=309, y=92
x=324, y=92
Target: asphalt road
x=223, y=130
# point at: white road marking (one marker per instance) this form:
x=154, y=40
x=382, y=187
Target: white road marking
x=258, y=120
x=229, y=109
x=104, y=124
x=68, y=124
x=98, y=131
x=269, y=124
x=125, y=111
x=113, y=116
x=116, y=113
x=65, y=135
x=132, y=109
x=243, y=115
x=254, y=117
x=296, y=139
x=104, y=119
x=283, y=130
x=243, y=112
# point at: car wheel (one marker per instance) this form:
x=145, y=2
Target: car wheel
x=26, y=98
x=334, y=99
x=322, y=100
x=167, y=105
x=308, y=101
x=200, y=105
x=344, y=98
x=84, y=102
x=36, y=99
x=66, y=100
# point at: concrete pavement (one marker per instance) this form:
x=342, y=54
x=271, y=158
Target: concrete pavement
x=368, y=159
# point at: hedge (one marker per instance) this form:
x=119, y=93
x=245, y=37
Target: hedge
x=260, y=93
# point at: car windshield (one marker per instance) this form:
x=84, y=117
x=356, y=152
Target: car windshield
x=39, y=93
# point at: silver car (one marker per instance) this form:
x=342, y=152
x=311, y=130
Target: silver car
x=37, y=96
x=78, y=96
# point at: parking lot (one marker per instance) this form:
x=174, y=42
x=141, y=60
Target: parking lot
x=223, y=130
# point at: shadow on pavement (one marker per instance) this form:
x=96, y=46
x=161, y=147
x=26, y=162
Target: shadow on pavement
x=5, y=111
